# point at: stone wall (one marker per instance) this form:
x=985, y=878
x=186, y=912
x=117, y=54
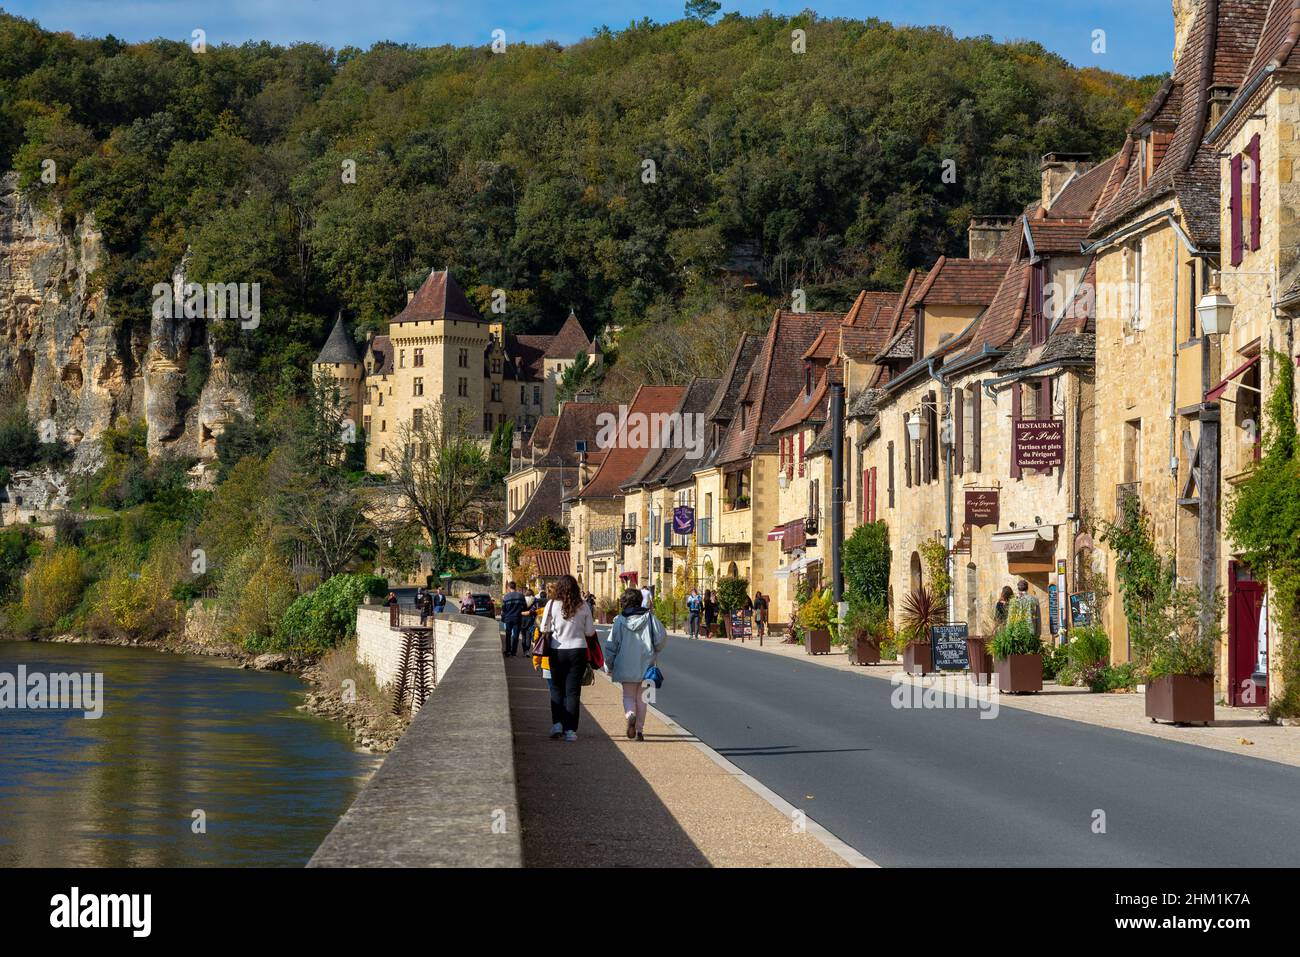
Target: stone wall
x=380, y=646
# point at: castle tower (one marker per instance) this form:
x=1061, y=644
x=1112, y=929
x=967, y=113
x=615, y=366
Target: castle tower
x=339, y=359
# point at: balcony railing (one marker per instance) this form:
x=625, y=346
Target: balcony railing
x=1123, y=492
x=603, y=539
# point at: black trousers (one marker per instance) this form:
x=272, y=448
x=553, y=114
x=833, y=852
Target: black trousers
x=513, y=630
x=567, y=667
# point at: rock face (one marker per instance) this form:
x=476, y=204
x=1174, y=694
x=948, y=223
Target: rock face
x=80, y=371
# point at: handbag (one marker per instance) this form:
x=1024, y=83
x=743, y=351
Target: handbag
x=654, y=674
x=543, y=639
x=588, y=676
x=595, y=654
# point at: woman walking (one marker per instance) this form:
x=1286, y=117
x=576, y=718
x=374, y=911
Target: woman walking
x=634, y=640
x=710, y=612
x=569, y=621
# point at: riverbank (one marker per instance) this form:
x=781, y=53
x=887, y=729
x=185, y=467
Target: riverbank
x=338, y=688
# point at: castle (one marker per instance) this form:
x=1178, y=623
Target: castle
x=440, y=347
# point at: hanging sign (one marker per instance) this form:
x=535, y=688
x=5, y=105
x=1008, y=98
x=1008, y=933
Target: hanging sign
x=981, y=507
x=683, y=520
x=1039, y=443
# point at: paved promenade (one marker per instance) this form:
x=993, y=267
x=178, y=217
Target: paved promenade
x=605, y=801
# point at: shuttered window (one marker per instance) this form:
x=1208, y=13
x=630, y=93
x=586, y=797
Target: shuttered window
x=959, y=428
x=977, y=402
x=1015, y=417
x=907, y=453
x=1256, y=185
x=890, y=466
x=1234, y=210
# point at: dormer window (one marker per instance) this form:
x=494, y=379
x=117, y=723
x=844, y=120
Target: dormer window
x=807, y=376
x=1154, y=144
x=1039, y=320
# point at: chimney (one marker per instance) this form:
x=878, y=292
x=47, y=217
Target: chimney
x=1057, y=168
x=410, y=294
x=985, y=232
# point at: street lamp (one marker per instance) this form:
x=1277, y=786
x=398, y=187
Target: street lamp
x=914, y=426
x=1215, y=311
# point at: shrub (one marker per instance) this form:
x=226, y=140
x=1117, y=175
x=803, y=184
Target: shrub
x=256, y=589
x=1067, y=676
x=316, y=622
x=132, y=604
x=920, y=611
x=866, y=559
x=815, y=613
x=732, y=592
x=1017, y=638
x=53, y=585
x=1088, y=645
x=868, y=621
x=1055, y=657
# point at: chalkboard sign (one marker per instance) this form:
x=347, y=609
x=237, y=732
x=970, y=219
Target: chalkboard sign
x=1081, y=609
x=949, y=643
x=1053, y=608
x=741, y=624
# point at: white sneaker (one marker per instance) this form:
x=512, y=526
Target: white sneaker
x=631, y=725
x=557, y=729
x=570, y=736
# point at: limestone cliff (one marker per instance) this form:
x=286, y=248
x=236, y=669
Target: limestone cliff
x=80, y=369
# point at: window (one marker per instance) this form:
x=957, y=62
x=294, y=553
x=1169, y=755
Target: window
x=417, y=386
x=537, y=395
x=419, y=358
x=801, y=447
x=1132, y=451
x=417, y=419
x=462, y=387
x=1037, y=313
x=462, y=359
x=1132, y=265
x=487, y=421
x=401, y=359
x=383, y=425
x=496, y=391
x=891, y=474
x=365, y=422
x=815, y=501
x=521, y=395
x=381, y=398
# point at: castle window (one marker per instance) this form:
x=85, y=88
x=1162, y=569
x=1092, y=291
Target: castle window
x=487, y=421
x=419, y=358
x=365, y=422
x=417, y=419
x=496, y=391
x=496, y=366
x=401, y=359
x=463, y=359
x=417, y=386
x=462, y=387
x=537, y=395
x=383, y=425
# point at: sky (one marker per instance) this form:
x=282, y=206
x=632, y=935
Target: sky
x=1138, y=33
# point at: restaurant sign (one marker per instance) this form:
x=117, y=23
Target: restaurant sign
x=949, y=645
x=683, y=520
x=1039, y=443
x=981, y=507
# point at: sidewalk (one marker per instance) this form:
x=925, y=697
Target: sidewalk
x=1243, y=731
x=605, y=801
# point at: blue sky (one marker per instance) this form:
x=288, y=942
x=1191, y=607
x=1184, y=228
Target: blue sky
x=1138, y=33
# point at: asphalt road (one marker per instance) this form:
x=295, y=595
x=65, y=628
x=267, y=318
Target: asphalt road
x=946, y=788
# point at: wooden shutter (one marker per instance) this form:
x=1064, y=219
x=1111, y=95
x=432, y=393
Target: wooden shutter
x=958, y=402
x=1015, y=417
x=801, y=451
x=875, y=483
x=1045, y=397
x=932, y=443
x=891, y=474
x=1256, y=193
x=1234, y=210
x=977, y=401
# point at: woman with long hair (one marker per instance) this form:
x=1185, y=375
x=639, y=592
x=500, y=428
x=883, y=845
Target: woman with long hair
x=569, y=621
x=710, y=612
x=630, y=649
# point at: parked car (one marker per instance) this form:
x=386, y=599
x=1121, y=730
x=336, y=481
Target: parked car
x=484, y=606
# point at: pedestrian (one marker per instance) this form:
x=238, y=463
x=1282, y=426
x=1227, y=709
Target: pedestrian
x=1027, y=605
x=695, y=608
x=426, y=608
x=647, y=596
x=636, y=637
x=467, y=604
x=439, y=601
x=512, y=609
x=591, y=604
x=710, y=612
x=568, y=620
x=1003, y=608
x=760, y=612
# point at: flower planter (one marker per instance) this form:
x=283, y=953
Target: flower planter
x=864, y=651
x=1181, y=699
x=981, y=661
x=1020, y=674
x=817, y=642
x=918, y=658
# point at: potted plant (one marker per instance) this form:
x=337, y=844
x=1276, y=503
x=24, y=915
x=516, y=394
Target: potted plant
x=919, y=612
x=865, y=628
x=607, y=609
x=1180, y=664
x=1018, y=657
x=815, y=620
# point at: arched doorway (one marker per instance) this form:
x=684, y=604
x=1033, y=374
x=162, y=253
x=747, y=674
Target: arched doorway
x=732, y=570
x=916, y=571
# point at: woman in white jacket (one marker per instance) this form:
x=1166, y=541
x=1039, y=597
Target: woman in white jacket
x=634, y=641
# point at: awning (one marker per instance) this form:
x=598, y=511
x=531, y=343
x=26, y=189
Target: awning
x=628, y=575
x=1022, y=539
x=775, y=534
x=1217, y=392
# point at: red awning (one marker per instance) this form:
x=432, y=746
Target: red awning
x=775, y=534
x=627, y=575
x=1214, y=394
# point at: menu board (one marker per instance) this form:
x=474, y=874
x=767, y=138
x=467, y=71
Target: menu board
x=741, y=624
x=949, y=644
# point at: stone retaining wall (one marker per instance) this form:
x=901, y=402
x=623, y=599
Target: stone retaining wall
x=380, y=646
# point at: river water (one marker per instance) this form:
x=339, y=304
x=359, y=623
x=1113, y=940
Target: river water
x=195, y=761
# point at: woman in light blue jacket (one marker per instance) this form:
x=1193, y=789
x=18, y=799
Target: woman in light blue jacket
x=636, y=637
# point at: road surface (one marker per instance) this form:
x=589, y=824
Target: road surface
x=945, y=787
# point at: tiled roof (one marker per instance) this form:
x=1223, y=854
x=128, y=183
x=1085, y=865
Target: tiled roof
x=961, y=282
x=380, y=351
x=1277, y=42
x=1058, y=235
x=725, y=399
x=660, y=464
x=808, y=406
x=821, y=445
x=1079, y=198
x=865, y=403
x=873, y=314
x=1212, y=56
x=339, y=347
x=527, y=354
x=569, y=341
x=543, y=503
x=775, y=379
x=547, y=562
x=577, y=421
x=620, y=461
x=439, y=298
x=1000, y=321
x=540, y=437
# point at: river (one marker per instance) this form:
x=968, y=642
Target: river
x=195, y=761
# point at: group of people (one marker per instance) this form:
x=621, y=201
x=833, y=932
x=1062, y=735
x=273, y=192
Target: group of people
x=559, y=630
x=1018, y=599
x=705, y=608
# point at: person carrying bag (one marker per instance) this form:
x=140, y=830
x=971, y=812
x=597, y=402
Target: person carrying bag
x=631, y=651
x=572, y=631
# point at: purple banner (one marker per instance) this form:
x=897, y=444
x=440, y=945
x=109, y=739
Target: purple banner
x=683, y=520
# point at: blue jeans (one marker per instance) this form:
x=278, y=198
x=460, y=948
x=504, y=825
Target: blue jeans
x=513, y=631
x=693, y=627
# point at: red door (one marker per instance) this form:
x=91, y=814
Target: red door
x=1247, y=647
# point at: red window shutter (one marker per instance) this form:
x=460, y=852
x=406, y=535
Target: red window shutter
x=1256, y=191
x=1045, y=397
x=801, y=452
x=1015, y=417
x=977, y=401
x=875, y=489
x=958, y=402
x=1234, y=210
x=890, y=475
